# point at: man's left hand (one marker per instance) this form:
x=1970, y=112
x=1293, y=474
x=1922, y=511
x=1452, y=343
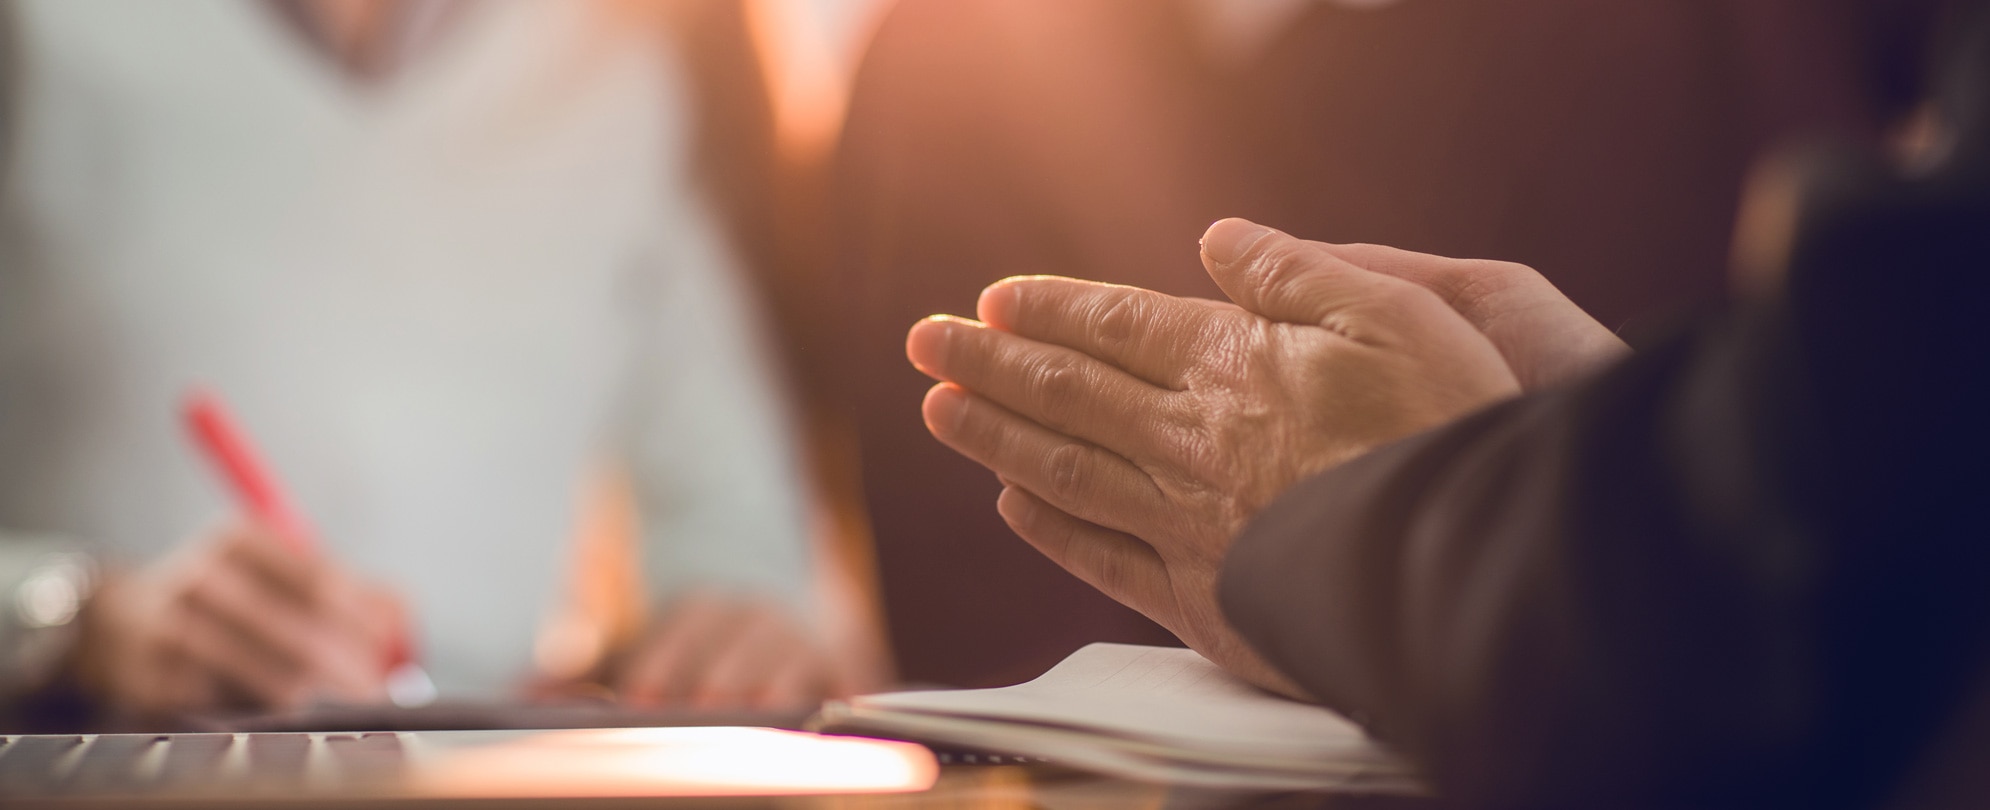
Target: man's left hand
x=1137, y=433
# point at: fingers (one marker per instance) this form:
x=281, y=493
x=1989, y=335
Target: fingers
x=152, y=647
x=1282, y=278
x=1116, y=563
x=271, y=633
x=312, y=584
x=744, y=671
x=1084, y=479
x=1544, y=336
x=220, y=648
x=1375, y=294
x=275, y=627
x=1478, y=289
x=1150, y=335
x=1056, y=387
x=347, y=612
x=1295, y=281
x=797, y=682
x=236, y=620
x=121, y=661
x=714, y=652
x=666, y=668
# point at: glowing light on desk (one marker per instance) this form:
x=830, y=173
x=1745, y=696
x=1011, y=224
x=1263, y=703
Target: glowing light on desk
x=724, y=761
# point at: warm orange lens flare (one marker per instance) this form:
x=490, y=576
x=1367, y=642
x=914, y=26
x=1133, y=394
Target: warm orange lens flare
x=808, y=50
x=718, y=761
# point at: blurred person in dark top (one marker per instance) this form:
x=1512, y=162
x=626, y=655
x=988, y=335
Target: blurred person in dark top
x=1603, y=143
x=1740, y=568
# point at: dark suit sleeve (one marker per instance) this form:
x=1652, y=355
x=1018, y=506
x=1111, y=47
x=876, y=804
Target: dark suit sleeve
x=1747, y=564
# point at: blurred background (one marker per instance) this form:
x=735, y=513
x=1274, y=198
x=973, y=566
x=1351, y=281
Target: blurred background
x=576, y=328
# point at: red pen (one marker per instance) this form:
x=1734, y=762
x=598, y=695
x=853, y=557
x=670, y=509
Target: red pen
x=224, y=444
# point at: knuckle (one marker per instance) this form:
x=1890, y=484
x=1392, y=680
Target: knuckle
x=1056, y=387
x=1114, y=574
x=1064, y=471
x=1207, y=457
x=232, y=550
x=1482, y=279
x=192, y=597
x=1403, y=295
x=1276, y=256
x=1229, y=353
x=1105, y=568
x=1058, y=540
x=320, y=590
x=1182, y=430
x=1282, y=264
x=1116, y=324
x=1121, y=574
x=196, y=574
x=1189, y=447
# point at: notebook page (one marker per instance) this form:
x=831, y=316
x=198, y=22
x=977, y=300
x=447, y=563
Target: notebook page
x=1165, y=695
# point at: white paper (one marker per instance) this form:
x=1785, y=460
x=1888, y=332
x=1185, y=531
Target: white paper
x=1173, y=697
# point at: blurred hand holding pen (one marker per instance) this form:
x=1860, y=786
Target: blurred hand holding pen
x=219, y=438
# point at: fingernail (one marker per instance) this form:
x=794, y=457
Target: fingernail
x=926, y=344
x=1228, y=240
x=998, y=303
x=1014, y=506
x=945, y=408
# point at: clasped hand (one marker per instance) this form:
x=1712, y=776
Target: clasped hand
x=1137, y=433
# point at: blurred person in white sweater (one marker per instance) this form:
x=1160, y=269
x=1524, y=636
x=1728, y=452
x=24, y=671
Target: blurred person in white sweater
x=448, y=261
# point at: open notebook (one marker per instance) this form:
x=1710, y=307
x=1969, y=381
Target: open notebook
x=1156, y=713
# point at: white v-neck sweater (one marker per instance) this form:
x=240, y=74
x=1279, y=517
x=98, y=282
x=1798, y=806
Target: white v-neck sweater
x=436, y=301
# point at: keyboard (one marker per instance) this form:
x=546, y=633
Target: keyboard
x=129, y=764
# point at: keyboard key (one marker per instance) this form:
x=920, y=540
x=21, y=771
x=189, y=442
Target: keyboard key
x=372, y=755
x=111, y=763
x=28, y=764
x=278, y=757
x=193, y=759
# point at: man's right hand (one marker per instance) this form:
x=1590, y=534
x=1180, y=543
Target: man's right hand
x=236, y=620
x=1545, y=338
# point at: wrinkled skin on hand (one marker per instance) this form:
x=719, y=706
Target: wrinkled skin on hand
x=1137, y=433
x=237, y=620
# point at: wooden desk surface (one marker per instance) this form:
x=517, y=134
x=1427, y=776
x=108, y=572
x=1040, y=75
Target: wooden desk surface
x=1012, y=787
x=960, y=786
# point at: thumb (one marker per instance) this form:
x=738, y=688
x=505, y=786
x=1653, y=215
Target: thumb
x=1543, y=335
x=1272, y=274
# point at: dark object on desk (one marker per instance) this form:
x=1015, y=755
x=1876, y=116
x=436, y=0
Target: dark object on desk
x=1746, y=567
